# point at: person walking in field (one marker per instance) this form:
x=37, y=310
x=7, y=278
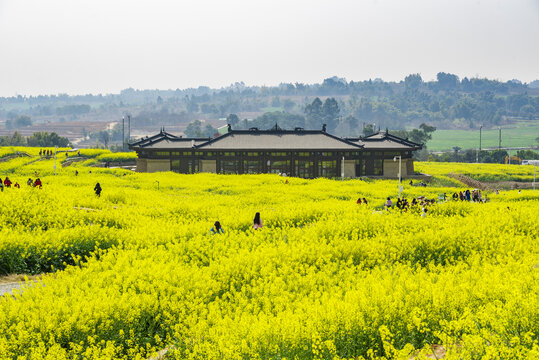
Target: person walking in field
x=217, y=229
x=364, y=201
x=97, y=189
x=388, y=203
x=358, y=201
x=1, y=185
x=7, y=182
x=30, y=182
x=257, y=222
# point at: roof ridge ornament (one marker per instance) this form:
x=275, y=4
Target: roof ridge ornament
x=324, y=127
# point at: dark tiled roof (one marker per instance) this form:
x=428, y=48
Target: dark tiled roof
x=164, y=140
x=385, y=140
x=277, y=138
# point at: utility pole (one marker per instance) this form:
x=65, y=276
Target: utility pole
x=533, y=177
x=342, y=169
x=480, y=129
x=499, y=138
x=55, y=152
x=400, y=168
x=128, y=128
x=123, y=133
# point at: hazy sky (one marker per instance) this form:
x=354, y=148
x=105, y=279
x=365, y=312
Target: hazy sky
x=79, y=46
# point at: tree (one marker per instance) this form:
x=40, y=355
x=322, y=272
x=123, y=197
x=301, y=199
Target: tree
x=288, y=105
x=330, y=113
x=104, y=137
x=20, y=121
x=413, y=81
x=447, y=81
x=14, y=140
x=73, y=109
x=209, y=109
x=192, y=107
x=527, y=111
x=209, y=131
x=368, y=130
x=351, y=121
x=528, y=154
x=313, y=112
x=421, y=135
x=194, y=129
x=44, y=139
x=232, y=119
x=456, y=149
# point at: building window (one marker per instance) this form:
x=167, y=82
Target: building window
x=378, y=167
x=327, y=168
x=360, y=168
x=176, y=153
x=252, y=154
x=304, y=154
x=277, y=154
x=192, y=166
x=279, y=167
x=175, y=165
x=304, y=169
x=229, y=153
x=326, y=153
x=229, y=167
x=162, y=154
x=392, y=153
x=251, y=167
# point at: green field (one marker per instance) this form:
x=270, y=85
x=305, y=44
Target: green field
x=516, y=135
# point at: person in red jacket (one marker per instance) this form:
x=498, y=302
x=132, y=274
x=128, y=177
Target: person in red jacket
x=7, y=182
x=38, y=183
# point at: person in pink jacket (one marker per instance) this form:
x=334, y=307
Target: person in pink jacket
x=257, y=222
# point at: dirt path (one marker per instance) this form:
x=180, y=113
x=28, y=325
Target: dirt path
x=491, y=185
x=469, y=181
x=8, y=288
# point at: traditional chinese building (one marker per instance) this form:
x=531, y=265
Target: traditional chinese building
x=299, y=152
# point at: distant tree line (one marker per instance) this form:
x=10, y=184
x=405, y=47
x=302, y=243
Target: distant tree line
x=484, y=156
x=20, y=121
x=38, y=139
x=347, y=107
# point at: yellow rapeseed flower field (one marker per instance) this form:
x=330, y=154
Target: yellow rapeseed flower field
x=136, y=270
